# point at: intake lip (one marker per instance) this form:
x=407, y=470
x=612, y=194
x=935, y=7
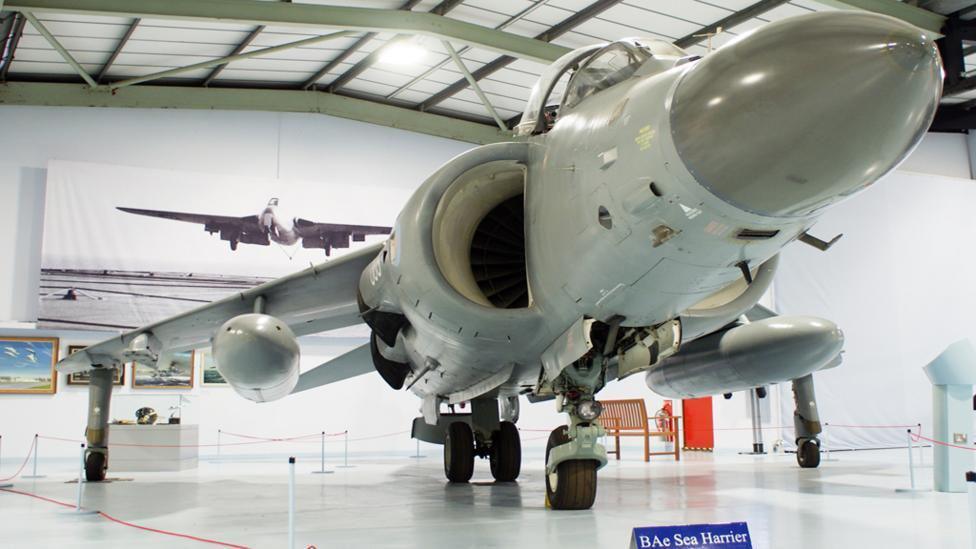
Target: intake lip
x=807, y=110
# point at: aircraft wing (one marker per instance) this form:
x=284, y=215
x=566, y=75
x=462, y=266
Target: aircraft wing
x=317, y=299
x=203, y=219
x=334, y=235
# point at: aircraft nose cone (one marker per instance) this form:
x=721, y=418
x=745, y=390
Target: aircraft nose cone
x=805, y=111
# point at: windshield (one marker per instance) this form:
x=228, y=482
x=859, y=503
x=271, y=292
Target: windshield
x=616, y=63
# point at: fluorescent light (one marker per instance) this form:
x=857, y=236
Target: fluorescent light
x=406, y=52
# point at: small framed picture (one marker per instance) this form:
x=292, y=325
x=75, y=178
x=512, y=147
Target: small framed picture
x=173, y=371
x=211, y=376
x=27, y=365
x=84, y=378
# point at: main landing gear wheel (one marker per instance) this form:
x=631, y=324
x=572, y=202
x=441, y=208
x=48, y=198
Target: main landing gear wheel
x=506, y=453
x=459, y=452
x=96, y=467
x=808, y=454
x=573, y=485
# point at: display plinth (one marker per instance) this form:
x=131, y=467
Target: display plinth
x=141, y=448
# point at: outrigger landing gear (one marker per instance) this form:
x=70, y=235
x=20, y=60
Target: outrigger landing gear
x=99, y=400
x=806, y=421
x=482, y=434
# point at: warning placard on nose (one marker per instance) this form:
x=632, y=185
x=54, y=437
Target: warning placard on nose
x=733, y=535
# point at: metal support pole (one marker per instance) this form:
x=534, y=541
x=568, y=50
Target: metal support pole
x=229, y=58
x=36, y=451
x=755, y=413
x=3, y=484
x=322, y=470
x=971, y=488
x=417, y=455
x=911, y=465
x=921, y=448
x=81, y=483
x=824, y=443
x=911, y=459
x=474, y=85
x=291, y=503
x=218, y=444
x=81, y=476
x=59, y=48
x=345, y=451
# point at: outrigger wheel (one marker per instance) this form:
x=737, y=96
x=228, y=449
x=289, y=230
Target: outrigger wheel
x=459, y=452
x=506, y=453
x=808, y=454
x=573, y=485
x=96, y=467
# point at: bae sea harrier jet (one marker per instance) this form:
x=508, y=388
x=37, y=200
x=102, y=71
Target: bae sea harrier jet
x=630, y=228
x=264, y=228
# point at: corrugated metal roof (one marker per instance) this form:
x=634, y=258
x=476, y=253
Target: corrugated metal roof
x=157, y=45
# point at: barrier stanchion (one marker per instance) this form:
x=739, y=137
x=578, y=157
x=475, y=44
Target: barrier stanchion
x=3, y=484
x=291, y=503
x=971, y=486
x=218, y=444
x=911, y=465
x=825, y=443
x=81, y=480
x=36, y=451
x=345, y=451
x=417, y=455
x=921, y=448
x=322, y=470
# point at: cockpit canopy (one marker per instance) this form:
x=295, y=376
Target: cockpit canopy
x=596, y=68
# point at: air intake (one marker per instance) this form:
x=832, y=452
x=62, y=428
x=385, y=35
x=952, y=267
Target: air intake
x=498, y=255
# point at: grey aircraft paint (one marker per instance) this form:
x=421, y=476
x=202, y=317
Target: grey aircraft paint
x=648, y=213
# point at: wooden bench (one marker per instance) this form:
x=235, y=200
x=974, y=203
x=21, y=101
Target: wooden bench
x=628, y=418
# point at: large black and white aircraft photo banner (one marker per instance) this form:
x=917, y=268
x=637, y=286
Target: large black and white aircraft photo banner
x=126, y=246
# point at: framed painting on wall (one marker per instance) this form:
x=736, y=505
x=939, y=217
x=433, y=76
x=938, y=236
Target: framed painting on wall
x=27, y=365
x=211, y=376
x=84, y=378
x=173, y=371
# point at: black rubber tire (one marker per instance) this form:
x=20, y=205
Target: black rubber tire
x=459, y=452
x=96, y=466
x=808, y=454
x=575, y=479
x=506, y=453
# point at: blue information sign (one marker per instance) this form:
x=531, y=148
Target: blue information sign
x=733, y=535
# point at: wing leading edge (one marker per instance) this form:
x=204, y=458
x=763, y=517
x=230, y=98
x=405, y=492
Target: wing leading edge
x=317, y=299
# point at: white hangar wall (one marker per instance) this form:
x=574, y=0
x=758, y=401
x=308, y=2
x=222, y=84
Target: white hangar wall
x=300, y=146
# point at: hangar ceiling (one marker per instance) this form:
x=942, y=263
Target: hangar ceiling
x=345, y=58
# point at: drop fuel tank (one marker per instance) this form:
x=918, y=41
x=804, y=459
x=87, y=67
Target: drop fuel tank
x=768, y=351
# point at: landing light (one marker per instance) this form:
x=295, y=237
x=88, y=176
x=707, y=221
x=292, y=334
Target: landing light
x=406, y=52
x=588, y=410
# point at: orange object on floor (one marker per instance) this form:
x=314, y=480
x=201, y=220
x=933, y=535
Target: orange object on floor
x=698, y=429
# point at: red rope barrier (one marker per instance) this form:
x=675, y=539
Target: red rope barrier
x=916, y=438
x=873, y=426
x=129, y=524
x=30, y=451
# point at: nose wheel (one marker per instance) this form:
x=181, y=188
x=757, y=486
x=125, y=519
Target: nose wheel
x=572, y=486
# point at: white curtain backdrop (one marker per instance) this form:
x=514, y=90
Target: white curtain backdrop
x=901, y=284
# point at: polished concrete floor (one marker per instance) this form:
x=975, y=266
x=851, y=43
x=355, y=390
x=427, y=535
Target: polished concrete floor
x=402, y=502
